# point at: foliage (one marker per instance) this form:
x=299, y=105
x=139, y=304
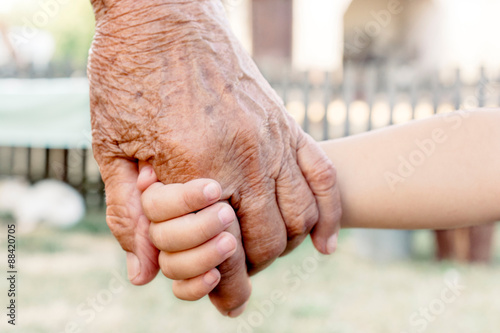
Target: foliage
x=73, y=31
x=71, y=23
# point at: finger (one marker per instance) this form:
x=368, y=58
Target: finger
x=189, y=231
x=196, y=261
x=262, y=227
x=126, y=219
x=320, y=174
x=233, y=291
x=195, y=288
x=301, y=215
x=147, y=176
x=165, y=202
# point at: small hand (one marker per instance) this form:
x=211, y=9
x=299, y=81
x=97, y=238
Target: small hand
x=195, y=234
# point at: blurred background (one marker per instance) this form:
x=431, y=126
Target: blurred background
x=342, y=67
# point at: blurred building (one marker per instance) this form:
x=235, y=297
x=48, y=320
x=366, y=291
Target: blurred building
x=323, y=34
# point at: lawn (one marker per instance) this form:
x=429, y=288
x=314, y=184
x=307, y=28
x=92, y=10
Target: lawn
x=75, y=281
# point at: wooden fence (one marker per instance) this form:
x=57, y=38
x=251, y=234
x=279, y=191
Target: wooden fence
x=327, y=105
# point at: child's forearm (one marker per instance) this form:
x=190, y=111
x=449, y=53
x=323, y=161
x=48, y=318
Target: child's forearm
x=436, y=173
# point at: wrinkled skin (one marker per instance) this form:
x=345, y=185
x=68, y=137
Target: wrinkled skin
x=170, y=85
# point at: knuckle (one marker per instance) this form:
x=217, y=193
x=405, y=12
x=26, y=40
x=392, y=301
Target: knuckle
x=191, y=294
x=120, y=225
x=167, y=241
x=196, y=294
x=147, y=206
x=190, y=201
x=179, y=292
x=298, y=207
x=323, y=175
x=269, y=251
x=303, y=221
x=166, y=266
x=211, y=225
x=311, y=218
x=159, y=238
x=279, y=246
x=207, y=230
x=149, y=201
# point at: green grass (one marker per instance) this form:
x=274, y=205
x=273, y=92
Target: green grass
x=93, y=222
x=60, y=272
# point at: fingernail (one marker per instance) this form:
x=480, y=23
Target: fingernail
x=226, y=216
x=331, y=244
x=225, y=245
x=236, y=312
x=211, y=192
x=133, y=266
x=210, y=277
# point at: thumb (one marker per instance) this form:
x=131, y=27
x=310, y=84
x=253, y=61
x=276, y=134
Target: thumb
x=320, y=173
x=126, y=219
x=147, y=176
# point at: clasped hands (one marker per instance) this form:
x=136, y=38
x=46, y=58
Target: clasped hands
x=197, y=234
x=170, y=85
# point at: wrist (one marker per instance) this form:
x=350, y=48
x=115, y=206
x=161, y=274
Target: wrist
x=166, y=31
x=123, y=18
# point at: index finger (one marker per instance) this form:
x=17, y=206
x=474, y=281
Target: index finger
x=164, y=202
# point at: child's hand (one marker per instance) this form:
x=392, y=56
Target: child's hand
x=192, y=245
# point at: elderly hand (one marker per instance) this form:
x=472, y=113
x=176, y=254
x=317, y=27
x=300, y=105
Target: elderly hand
x=169, y=84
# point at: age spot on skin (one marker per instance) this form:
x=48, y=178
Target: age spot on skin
x=209, y=109
x=138, y=94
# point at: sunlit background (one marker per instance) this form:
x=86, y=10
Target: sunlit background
x=342, y=67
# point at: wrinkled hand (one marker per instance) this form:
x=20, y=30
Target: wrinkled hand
x=170, y=85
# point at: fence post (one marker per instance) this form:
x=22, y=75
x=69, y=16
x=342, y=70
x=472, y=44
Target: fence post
x=28, y=165
x=65, y=165
x=435, y=91
x=458, y=92
x=483, y=81
x=12, y=157
x=326, y=92
x=83, y=179
x=347, y=96
x=305, y=87
x=413, y=95
x=47, y=163
x=369, y=87
x=391, y=91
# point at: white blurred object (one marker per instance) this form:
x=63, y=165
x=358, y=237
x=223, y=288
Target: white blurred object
x=382, y=245
x=11, y=189
x=25, y=47
x=50, y=201
x=318, y=40
x=36, y=49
